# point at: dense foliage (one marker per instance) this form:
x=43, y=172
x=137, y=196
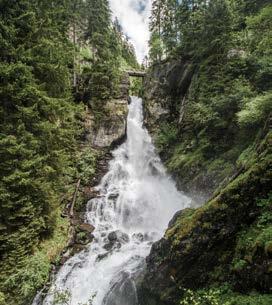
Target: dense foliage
x=102, y=53
x=211, y=131
x=38, y=128
x=228, y=44
x=54, y=55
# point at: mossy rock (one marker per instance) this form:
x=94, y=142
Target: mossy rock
x=202, y=242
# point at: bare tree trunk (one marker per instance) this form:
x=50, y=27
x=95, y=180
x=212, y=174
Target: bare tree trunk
x=74, y=199
x=75, y=59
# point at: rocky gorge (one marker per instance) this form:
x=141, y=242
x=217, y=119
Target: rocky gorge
x=136, y=184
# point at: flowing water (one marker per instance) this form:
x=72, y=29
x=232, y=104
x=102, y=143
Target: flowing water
x=137, y=200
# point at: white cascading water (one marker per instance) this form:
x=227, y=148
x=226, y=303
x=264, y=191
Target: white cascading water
x=137, y=200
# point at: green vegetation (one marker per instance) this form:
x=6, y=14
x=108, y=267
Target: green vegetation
x=228, y=102
x=202, y=297
x=223, y=296
x=216, y=140
x=39, y=130
x=102, y=53
x=55, y=57
x=33, y=272
x=226, y=242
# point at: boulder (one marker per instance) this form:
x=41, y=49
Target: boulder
x=118, y=236
x=86, y=227
x=116, y=239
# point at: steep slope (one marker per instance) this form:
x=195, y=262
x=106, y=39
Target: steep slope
x=208, y=100
x=225, y=242
x=208, y=105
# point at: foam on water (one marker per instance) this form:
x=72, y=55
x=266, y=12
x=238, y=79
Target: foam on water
x=137, y=200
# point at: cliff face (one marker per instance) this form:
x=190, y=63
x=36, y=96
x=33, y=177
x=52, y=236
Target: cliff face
x=109, y=129
x=166, y=86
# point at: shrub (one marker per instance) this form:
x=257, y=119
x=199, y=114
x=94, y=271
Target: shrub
x=202, y=297
x=255, y=111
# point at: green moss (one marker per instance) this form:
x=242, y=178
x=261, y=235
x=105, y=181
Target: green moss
x=222, y=295
x=166, y=136
x=21, y=285
x=182, y=220
x=255, y=242
x=251, y=299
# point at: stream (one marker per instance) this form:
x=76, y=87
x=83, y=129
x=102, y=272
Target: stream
x=137, y=200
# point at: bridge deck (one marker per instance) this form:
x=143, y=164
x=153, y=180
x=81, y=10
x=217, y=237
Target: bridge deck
x=136, y=73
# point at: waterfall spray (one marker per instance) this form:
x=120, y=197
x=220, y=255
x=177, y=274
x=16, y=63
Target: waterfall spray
x=137, y=200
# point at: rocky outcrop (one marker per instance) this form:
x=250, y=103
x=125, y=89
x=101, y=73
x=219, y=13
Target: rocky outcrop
x=166, y=85
x=111, y=129
x=217, y=243
x=166, y=102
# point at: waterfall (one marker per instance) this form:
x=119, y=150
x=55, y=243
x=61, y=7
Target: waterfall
x=137, y=199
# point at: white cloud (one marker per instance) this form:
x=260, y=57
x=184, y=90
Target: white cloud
x=134, y=18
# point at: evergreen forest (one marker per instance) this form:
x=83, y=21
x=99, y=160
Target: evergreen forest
x=206, y=86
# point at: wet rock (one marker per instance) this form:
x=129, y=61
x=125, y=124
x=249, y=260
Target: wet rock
x=118, y=236
x=115, y=240
x=124, y=87
x=112, y=245
x=113, y=196
x=177, y=215
x=123, y=290
x=65, y=256
x=163, y=83
x=86, y=227
x=102, y=256
x=78, y=218
x=90, y=193
x=138, y=237
x=83, y=238
x=151, y=236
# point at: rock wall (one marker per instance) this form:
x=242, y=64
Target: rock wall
x=166, y=85
x=221, y=242
x=110, y=130
x=169, y=106
x=166, y=90
x=226, y=241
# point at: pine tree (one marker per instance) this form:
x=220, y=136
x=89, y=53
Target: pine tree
x=155, y=43
x=36, y=121
x=104, y=74
x=170, y=26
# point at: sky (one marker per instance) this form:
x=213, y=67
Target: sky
x=134, y=18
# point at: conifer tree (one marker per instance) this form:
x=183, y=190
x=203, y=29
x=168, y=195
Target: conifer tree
x=155, y=43
x=36, y=121
x=99, y=31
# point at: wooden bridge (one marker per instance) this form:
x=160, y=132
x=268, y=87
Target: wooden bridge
x=136, y=73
